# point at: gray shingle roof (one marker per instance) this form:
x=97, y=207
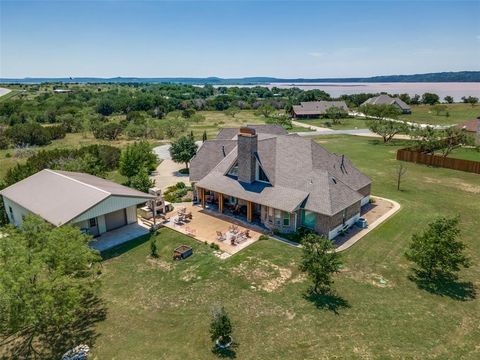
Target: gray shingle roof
x=387, y=100
x=315, y=108
x=60, y=196
x=300, y=171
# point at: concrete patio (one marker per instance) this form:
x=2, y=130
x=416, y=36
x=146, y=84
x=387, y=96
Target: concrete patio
x=204, y=226
x=118, y=236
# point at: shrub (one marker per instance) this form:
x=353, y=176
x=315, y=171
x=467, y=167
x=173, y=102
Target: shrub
x=221, y=327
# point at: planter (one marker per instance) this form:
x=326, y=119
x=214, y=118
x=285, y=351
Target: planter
x=226, y=346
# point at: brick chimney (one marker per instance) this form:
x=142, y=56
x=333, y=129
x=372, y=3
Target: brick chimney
x=247, y=147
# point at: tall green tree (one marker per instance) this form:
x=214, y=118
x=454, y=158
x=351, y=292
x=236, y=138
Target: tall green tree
x=142, y=181
x=183, y=150
x=221, y=327
x=448, y=99
x=320, y=262
x=470, y=100
x=430, y=99
x=48, y=276
x=437, y=250
x=136, y=157
x=265, y=110
x=387, y=129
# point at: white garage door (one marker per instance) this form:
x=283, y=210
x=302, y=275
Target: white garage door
x=115, y=219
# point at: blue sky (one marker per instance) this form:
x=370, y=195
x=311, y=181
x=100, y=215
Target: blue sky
x=237, y=38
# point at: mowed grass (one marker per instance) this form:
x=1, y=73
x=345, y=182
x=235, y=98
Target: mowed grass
x=215, y=120
x=458, y=112
x=348, y=123
x=160, y=309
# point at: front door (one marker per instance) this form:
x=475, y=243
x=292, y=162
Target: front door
x=93, y=227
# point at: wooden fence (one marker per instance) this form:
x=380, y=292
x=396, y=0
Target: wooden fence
x=440, y=161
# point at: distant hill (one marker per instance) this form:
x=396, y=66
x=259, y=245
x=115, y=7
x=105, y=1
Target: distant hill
x=459, y=76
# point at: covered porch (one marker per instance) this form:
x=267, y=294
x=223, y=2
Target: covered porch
x=266, y=217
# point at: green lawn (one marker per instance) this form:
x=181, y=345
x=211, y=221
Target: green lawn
x=160, y=310
x=466, y=154
x=458, y=113
x=349, y=123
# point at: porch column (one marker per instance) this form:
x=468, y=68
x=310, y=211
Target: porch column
x=249, y=211
x=220, y=203
x=202, y=197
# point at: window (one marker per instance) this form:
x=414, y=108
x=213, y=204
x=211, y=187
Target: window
x=278, y=217
x=286, y=219
x=309, y=219
x=11, y=210
x=260, y=174
x=92, y=222
x=233, y=170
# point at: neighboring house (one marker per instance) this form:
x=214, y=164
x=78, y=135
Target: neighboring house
x=472, y=127
x=388, y=100
x=62, y=197
x=314, y=109
x=280, y=181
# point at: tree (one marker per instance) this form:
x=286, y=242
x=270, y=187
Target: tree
x=448, y=99
x=48, y=276
x=437, y=251
x=221, y=327
x=153, y=247
x=470, y=100
x=105, y=107
x=429, y=140
x=136, y=157
x=430, y=99
x=183, y=150
x=439, y=108
x=141, y=181
x=335, y=114
x=265, y=110
x=383, y=111
x=282, y=120
x=232, y=111
x=204, y=136
x=400, y=172
x=320, y=262
x=387, y=129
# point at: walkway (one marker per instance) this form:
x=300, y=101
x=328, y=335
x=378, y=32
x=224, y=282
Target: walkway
x=118, y=236
x=375, y=216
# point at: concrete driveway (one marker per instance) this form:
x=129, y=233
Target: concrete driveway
x=167, y=173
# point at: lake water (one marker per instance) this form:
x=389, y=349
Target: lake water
x=456, y=90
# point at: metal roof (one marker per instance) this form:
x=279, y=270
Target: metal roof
x=60, y=196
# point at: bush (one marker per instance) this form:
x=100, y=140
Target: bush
x=28, y=134
x=214, y=246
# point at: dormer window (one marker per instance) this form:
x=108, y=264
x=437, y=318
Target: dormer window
x=260, y=174
x=233, y=170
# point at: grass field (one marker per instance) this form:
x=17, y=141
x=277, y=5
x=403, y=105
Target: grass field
x=349, y=123
x=160, y=309
x=466, y=154
x=458, y=113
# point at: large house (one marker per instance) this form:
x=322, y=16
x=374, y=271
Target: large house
x=315, y=109
x=93, y=204
x=473, y=128
x=279, y=181
x=388, y=100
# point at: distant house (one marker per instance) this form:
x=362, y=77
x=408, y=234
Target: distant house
x=315, y=109
x=472, y=127
x=388, y=100
x=279, y=181
x=61, y=91
x=93, y=204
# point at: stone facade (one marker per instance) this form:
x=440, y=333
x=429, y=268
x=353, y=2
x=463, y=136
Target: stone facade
x=325, y=223
x=247, y=147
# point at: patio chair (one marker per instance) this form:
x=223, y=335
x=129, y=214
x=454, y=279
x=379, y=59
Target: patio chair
x=221, y=236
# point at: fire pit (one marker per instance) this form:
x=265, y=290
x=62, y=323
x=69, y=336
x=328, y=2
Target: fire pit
x=182, y=252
